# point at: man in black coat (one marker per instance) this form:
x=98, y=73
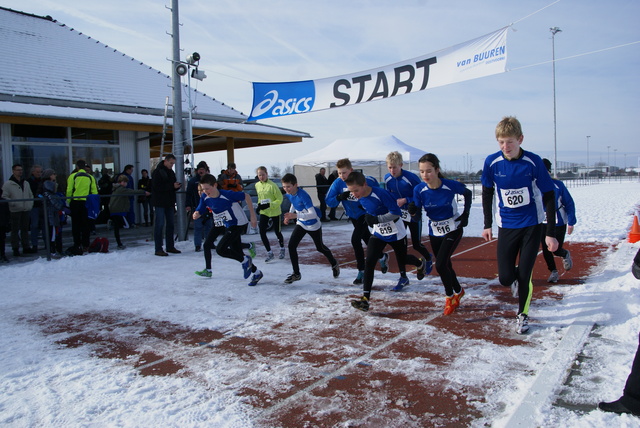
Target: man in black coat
x=163, y=198
x=322, y=185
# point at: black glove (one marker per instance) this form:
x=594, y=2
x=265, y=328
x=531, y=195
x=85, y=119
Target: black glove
x=343, y=196
x=464, y=219
x=371, y=219
x=413, y=208
x=263, y=206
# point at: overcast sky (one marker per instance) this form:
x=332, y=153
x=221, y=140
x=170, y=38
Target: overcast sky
x=597, y=94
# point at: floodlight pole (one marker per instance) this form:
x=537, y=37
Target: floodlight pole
x=554, y=30
x=178, y=143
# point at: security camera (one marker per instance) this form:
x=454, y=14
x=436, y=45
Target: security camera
x=197, y=74
x=181, y=69
x=193, y=58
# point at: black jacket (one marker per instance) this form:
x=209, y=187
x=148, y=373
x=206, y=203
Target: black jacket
x=163, y=194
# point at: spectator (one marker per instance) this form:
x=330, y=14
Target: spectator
x=193, y=198
x=80, y=184
x=105, y=187
x=55, y=210
x=331, y=179
x=163, y=199
x=17, y=188
x=118, y=207
x=145, y=184
x=36, y=215
x=5, y=215
x=229, y=179
x=131, y=215
x=322, y=186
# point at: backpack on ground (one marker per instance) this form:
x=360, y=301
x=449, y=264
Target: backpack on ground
x=99, y=245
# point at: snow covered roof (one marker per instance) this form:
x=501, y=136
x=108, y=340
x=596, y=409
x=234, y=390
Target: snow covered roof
x=361, y=151
x=55, y=69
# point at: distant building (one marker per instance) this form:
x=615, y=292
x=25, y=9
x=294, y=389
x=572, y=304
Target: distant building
x=65, y=96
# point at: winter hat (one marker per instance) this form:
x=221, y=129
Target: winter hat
x=46, y=175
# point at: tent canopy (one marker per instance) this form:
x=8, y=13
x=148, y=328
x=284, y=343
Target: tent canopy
x=361, y=152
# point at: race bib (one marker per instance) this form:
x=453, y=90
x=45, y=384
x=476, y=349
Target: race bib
x=351, y=197
x=404, y=214
x=515, y=198
x=220, y=218
x=442, y=227
x=385, y=229
x=265, y=201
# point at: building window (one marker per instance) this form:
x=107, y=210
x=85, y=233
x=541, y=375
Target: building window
x=55, y=157
x=93, y=136
x=33, y=133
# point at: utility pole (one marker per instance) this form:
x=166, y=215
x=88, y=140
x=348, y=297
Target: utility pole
x=178, y=139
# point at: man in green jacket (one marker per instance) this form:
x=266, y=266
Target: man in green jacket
x=80, y=184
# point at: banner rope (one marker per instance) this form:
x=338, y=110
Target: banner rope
x=531, y=14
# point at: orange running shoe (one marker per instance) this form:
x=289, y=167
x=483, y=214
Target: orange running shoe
x=457, y=297
x=449, y=305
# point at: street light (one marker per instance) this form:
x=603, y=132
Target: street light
x=608, y=162
x=588, y=136
x=554, y=30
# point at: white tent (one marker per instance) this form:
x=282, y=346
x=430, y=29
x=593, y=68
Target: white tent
x=367, y=154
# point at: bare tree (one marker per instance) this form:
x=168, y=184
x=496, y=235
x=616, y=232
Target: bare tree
x=275, y=171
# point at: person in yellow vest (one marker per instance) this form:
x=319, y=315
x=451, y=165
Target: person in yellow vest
x=80, y=184
x=269, y=202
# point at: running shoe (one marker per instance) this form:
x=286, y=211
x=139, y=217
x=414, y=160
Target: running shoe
x=359, y=279
x=567, y=262
x=554, y=277
x=252, y=250
x=522, y=325
x=402, y=282
x=205, y=273
x=256, y=278
x=384, y=266
x=246, y=267
x=457, y=297
x=420, y=271
x=361, y=304
x=292, y=278
x=281, y=256
x=336, y=270
x=449, y=305
x=270, y=257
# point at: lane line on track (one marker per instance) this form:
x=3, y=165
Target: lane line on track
x=325, y=379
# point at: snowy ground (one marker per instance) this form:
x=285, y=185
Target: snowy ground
x=44, y=384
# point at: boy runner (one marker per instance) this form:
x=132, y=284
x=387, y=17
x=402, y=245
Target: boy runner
x=225, y=207
x=517, y=184
x=307, y=219
x=339, y=193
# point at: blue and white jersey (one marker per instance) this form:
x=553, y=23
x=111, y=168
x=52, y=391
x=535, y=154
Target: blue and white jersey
x=380, y=203
x=519, y=185
x=351, y=206
x=440, y=205
x=308, y=215
x=565, y=207
x=402, y=187
x=226, y=208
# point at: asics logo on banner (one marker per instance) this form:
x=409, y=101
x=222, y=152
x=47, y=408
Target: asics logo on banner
x=281, y=107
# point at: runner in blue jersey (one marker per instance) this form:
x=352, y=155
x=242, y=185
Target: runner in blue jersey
x=437, y=196
x=516, y=185
x=224, y=205
x=401, y=184
x=565, y=220
x=307, y=219
x=384, y=218
x=339, y=193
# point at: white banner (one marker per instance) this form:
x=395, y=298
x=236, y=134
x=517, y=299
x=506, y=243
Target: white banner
x=480, y=57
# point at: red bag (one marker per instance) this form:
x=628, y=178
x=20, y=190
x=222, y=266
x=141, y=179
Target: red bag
x=99, y=245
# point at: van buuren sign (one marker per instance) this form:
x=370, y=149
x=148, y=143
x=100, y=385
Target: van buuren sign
x=480, y=57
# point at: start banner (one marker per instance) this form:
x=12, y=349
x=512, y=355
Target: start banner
x=480, y=57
